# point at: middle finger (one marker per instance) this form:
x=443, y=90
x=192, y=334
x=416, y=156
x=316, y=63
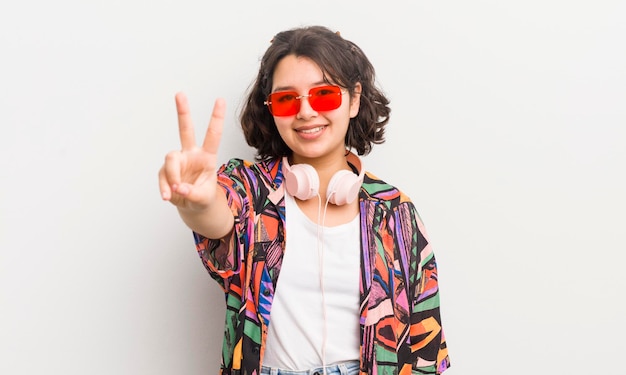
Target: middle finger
x=185, y=125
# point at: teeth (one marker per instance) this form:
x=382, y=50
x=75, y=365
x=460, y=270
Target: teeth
x=310, y=131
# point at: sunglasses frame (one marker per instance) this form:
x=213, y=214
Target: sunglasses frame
x=298, y=99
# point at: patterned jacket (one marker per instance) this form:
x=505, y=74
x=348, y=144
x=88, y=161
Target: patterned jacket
x=400, y=325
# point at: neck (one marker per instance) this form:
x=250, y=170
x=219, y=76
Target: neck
x=326, y=166
x=335, y=160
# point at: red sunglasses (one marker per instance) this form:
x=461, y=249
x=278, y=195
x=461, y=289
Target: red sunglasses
x=287, y=103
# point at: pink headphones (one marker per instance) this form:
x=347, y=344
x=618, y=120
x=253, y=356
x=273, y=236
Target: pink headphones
x=303, y=182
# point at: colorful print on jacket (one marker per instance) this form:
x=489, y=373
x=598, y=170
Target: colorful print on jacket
x=400, y=325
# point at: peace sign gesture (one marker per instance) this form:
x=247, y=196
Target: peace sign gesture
x=188, y=177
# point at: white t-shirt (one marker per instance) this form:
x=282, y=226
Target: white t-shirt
x=298, y=337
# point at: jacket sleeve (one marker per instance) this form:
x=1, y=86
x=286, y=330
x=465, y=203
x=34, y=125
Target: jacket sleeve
x=427, y=340
x=223, y=257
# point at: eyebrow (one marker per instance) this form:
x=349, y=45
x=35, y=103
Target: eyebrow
x=291, y=88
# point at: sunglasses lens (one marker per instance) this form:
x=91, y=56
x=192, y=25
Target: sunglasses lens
x=325, y=98
x=284, y=103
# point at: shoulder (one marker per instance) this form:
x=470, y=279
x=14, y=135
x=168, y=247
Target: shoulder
x=378, y=190
x=267, y=171
x=389, y=198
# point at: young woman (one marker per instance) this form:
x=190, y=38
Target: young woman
x=325, y=268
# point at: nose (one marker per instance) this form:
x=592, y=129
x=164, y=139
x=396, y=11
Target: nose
x=306, y=111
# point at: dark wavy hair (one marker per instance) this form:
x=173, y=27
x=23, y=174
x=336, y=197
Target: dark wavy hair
x=343, y=63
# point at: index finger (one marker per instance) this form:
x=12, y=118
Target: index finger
x=214, y=131
x=185, y=126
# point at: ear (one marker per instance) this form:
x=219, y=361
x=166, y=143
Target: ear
x=355, y=100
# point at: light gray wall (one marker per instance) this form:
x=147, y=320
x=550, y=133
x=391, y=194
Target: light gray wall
x=508, y=131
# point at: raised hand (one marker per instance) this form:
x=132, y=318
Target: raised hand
x=188, y=177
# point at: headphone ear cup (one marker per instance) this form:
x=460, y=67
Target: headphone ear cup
x=343, y=187
x=302, y=181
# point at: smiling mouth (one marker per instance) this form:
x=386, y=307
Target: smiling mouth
x=311, y=130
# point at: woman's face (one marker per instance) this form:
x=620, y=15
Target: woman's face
x=311, y=135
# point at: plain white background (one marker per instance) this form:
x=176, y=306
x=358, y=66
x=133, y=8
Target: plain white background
x=507, y=131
